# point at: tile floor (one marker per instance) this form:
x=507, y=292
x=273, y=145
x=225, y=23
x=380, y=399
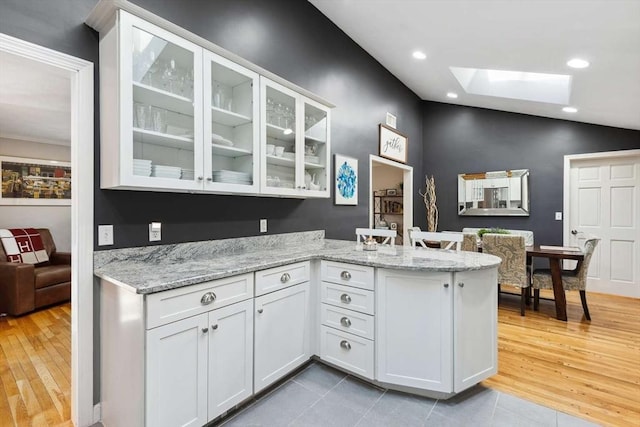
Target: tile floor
x=321, y=396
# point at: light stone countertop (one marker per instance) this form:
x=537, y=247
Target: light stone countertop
x=153, y=269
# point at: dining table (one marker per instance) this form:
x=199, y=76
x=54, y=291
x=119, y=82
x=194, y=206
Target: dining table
x=556, y=254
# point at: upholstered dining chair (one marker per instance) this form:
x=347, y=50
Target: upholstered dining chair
x=469, y=243
x=513, y=268
x=389, y=236
x=572, y=280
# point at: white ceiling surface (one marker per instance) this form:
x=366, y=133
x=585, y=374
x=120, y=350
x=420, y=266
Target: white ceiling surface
x=527, y=35
x=35, y=101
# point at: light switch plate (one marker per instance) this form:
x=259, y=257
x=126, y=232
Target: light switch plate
x=105, y=235
x=263, y=225
x=558, y=216
x=155, y=233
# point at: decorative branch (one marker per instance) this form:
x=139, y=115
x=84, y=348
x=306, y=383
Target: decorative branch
x=429, y=199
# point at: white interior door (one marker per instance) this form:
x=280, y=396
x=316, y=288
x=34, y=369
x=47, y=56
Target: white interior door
x=604, y=200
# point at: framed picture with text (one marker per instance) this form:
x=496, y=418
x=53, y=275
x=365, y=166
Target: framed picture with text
x=393, y=144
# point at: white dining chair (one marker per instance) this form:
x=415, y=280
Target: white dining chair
x=389, y=235
x=420, y=236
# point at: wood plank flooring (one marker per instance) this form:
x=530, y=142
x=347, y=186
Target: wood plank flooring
x=587, y=369
x=35, y=369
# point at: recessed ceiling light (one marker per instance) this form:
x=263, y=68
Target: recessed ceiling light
x=578, y=63
x=419, y=55
x=452, y=95
x=570, y=110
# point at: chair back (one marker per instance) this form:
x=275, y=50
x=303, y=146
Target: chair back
x=451, y=238
x=511, y=249
x=389, y=235
x=469, y=243
x=588, y=248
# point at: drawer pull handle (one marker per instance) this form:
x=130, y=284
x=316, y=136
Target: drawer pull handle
x=285, y=278
x=345, y=344
x=345, y=322
x=446, y=285
x=260, y=310
x=214, y=327
x=461, y=284
x=345, y=298
x=208, y=298
x=345, y=275
x=205, y=330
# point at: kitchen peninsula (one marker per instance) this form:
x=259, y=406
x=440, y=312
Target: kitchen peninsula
x=191, y=330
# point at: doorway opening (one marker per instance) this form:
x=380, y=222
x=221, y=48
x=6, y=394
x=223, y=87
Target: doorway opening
x=391, y=197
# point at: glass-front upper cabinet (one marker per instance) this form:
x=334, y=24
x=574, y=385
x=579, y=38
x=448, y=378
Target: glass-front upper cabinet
x=231, y=133
x=159, y=78
x=294, y=143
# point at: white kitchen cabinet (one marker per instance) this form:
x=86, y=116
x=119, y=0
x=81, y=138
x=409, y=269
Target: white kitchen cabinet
x=436, y=331
x=176, y=373
x=230, y=357
x=282, y=332
x=295, y=143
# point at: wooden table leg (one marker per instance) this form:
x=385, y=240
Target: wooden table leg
x=558, y=290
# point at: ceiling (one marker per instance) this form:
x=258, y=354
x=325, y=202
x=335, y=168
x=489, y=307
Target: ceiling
x=35, y=101
x=537, y=36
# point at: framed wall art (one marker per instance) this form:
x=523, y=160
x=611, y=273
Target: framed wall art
x=346, y=180
x=35, y=182
x=393, y=144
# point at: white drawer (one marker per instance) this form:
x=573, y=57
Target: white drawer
x=347, y=297
x=347, y=351
x=347, y=320
x=176, y=304
x=347, y=274
x=282, y=277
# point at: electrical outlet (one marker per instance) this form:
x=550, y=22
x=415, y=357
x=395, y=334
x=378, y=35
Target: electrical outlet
x=155, y=234
x=558, y=216
x=263, y=225
x=105, y=235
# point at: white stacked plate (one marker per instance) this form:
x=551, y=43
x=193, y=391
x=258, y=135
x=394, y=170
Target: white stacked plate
x=163, y=171
x=142, y=167
x=232, y=177
x=187, y=174
x=288, y=155
x=312, y=159
x=220, y=140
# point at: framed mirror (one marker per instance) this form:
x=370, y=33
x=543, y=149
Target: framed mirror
x=498, y=193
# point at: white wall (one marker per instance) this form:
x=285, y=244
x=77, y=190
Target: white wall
x=55, y=218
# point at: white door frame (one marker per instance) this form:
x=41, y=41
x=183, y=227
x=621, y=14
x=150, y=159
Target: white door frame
x=82, y=140
x=568, y=159
x=407, y=193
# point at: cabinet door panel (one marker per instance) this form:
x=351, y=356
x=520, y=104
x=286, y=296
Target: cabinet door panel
x=281, y=333
x=230, y=356
x=176, y=379
x=475, y=327
x=413, y=330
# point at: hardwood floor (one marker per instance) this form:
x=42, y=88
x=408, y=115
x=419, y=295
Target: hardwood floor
x=35, y=369
x=587, y=369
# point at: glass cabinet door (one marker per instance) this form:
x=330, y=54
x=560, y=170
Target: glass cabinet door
x=316, y=147
x=231, y=142
x=280, y=153
x=165, y=89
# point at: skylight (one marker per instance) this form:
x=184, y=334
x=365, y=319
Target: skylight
x=538, y=87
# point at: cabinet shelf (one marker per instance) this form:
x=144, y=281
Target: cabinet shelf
x=225, y=151
x=161, y=98
x=228, y=118
x=277, y=132
x=314, y=139
x=313, y=166
x=280, y=161
x=163, y=139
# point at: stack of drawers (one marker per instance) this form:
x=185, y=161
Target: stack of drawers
x=347, y=317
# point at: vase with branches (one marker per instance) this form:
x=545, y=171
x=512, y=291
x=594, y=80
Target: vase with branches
x=429, y=199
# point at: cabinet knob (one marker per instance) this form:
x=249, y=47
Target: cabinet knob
x=205, y=330
x=208, y=298
x=345, y=344
x=260, y=310
x=345, y=275
x=214, y=327
x=345, y=322
x=200, y=178
x=446, y=285
x=209, y=179
x=461, y=284
x=285, y=278
x=345, y=298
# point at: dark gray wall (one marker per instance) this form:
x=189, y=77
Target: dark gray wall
x=466, y=139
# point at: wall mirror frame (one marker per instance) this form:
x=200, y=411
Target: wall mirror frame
x=497, y=193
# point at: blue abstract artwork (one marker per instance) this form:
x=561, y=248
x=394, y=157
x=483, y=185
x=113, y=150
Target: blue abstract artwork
x=346, y=182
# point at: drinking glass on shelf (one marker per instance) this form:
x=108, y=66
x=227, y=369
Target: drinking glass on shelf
x=278, y=112
x=159, y=119
x=217, y=95
x=270, y=111
x=141, y=115
x=168, y=75
x=288, y=118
